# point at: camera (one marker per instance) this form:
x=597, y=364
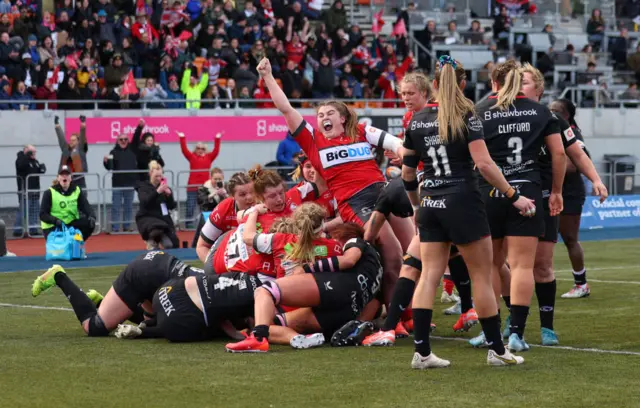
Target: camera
x=220, y=184
x=29, y=154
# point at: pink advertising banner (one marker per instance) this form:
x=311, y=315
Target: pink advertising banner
x=235, y=128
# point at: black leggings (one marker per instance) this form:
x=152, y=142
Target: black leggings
x=82, y=224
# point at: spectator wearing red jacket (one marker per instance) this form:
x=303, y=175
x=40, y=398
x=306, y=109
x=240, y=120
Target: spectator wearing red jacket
x=390, y=79
x=199, y=159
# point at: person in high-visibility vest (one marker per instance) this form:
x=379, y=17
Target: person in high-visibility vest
x=64, y=203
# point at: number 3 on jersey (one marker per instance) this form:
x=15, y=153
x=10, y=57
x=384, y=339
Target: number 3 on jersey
x=444, y=159
x=515, y=143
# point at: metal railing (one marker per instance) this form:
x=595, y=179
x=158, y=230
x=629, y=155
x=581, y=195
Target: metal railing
x=598, y=96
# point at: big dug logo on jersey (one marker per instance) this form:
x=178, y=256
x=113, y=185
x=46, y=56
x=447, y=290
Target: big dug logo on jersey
x=333, y=156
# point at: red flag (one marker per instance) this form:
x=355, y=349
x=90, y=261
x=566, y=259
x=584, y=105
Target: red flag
x=53, y=80
x=129, y=87
x=378, y=22
x=400, y=29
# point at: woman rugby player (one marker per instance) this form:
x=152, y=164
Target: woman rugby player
x=450, y=208
x=134, y=286
x=573, y=193
x=232, y=255
x=516, y=128
x=416, y=91
x=311, y=187
x=341, y=151
x=545, y=280
x=224, y=217
x=331, y=293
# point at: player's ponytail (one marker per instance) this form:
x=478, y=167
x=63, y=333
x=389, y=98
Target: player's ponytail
x=284, y=225
x=453, y=106
x=308, y=219
x=507, y=77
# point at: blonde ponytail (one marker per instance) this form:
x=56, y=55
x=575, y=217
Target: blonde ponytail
x=308, y=219
x=453, y=106
x=511, y=88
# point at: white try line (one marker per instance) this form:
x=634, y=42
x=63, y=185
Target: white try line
x=459, y=339
x=65, y=309
x=586, y=350
x=605, y=268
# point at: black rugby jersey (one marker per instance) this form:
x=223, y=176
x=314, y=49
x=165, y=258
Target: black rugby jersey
x=515, y=136
x=568, y=138
x=573, y=185
x=447, y=167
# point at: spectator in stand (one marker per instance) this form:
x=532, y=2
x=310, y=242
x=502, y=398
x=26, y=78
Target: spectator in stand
x=47, y=93
x=65, y=203
x=27, y=165
x=153, y=93
x=92, y=93
x=618, y=47
x=228, y=92
x=596, y=28
x=292, y=79
x=501, y=28
x=287, y=149
x=549, y=30
x=25, y=98
x=153, y=218
x=336, y=17
x=452, y=36
x=210, y=194
x=192, y=87
x=121, y=158
x=5, y=93
x=631, y=93
x=47, y=50
x=74, y=153
x=634, y=63
x=324, y=74
x=172, y=89
x=146, y=150
x=116, y=73
x=391, y=77
x=199, y=163
x=244, y=77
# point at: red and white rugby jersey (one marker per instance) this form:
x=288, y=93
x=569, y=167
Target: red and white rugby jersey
x=306, y=192
x=278, y=245
x=303, y=192
x=348, y=167
x=223, y=218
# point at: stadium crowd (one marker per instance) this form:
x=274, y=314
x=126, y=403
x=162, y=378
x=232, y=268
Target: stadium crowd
x=102, y=50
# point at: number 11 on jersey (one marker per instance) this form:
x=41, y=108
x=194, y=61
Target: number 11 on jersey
x=444, y=159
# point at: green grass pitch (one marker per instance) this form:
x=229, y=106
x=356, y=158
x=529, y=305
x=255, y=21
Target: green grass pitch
x=47, y=361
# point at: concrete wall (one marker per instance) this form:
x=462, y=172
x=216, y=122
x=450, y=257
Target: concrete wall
x=609, y=131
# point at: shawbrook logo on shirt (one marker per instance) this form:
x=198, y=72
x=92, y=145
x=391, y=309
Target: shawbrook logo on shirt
x=333, y=156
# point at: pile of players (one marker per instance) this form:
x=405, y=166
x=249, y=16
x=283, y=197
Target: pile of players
x=485, y=194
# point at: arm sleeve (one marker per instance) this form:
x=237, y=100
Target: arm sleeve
x=568, y=135
x=262, y=243
x=216, y=150
x=171, y=202
x=304, y=137
x=184, y=84
x=408, y=140
x=83, y=138
x=355, y=243
x=137, y=135
x=381, y=139
x=474, y=129
x=185, y=150
x=552, y=127
x=62, y=142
